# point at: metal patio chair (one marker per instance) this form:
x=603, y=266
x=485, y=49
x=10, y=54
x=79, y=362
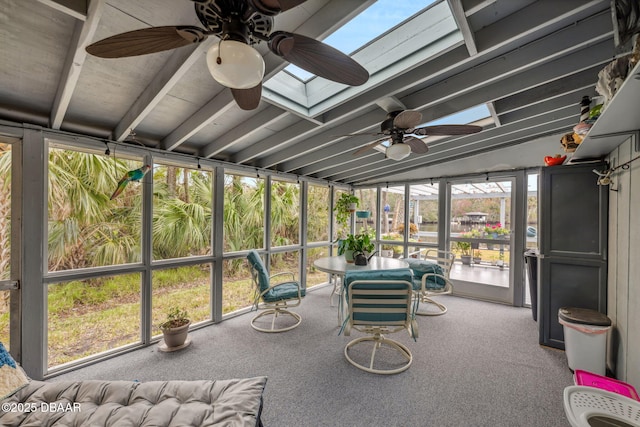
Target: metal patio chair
x=379, y=302
x=274, y=298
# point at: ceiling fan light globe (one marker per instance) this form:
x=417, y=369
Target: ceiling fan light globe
x=398, y=151
x=240, y=67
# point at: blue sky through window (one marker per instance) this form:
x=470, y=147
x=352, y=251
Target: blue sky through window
x=371, y=23
x=463, y=117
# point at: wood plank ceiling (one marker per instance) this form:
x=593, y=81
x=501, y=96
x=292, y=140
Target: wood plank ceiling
x=529, y=62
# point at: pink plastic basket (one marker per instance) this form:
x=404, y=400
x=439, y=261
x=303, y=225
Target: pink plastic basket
x=605, y=383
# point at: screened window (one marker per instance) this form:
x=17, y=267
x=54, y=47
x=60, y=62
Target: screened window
x=340, y=230
x=88, y=224
x=423, y=212
x=243, y=213
x=392, y=219
x=237, y=287
x=368, y=211
x=285, y=209
x=188, y=288
x=181, y=212
x=91, y=316
x=318, y=209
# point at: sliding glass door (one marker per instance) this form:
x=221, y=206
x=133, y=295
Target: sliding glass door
x=480, y=234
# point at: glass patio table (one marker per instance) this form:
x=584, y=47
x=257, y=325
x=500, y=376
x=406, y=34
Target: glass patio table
x=337, y=266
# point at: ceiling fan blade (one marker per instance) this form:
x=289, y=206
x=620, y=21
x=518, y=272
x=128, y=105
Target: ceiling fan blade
x=318, y=58
x=146, y=40
x=368, y=147
x=447, y=130
x=248, y=99
x=407, y=119
x=418, y=146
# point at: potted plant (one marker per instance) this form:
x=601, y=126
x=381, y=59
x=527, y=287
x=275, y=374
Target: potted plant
x=477, y=257
x=362, y=242
x=465, y=252
x=345, y=205
x=363, y=214
x=390, y=250
x=500, y=261
x=386, y=250
x=175, y=328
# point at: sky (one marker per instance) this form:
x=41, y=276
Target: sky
x=372, y=22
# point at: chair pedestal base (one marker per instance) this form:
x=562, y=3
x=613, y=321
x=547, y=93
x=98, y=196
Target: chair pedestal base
x=379, y=341
x=275, y=313
x=440, y=309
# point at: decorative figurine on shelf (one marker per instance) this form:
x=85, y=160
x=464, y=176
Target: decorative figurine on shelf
x=132, y=175
x=583, y=127
x=570, y=142
x=584, y=108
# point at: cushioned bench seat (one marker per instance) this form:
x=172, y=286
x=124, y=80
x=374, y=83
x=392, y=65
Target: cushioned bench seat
x=234, y=402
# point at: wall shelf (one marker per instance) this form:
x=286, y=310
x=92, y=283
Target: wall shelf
x=616, y=124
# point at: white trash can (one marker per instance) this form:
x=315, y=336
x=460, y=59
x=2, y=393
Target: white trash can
x=585, y=338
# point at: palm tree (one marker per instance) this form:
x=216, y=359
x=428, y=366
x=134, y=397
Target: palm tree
x=243, y=213
x=85, y=227
x=285, y=205
x=182, y=223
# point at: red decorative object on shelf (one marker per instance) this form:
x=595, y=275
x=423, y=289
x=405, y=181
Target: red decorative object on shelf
x=554, y=160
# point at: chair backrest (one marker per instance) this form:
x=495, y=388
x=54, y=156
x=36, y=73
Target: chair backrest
x=444, y=259
x=380, y=297
x=259, y=272
x=435, y=271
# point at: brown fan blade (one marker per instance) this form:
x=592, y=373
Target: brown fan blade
x=368, y=147
x=407, y=119
x=318, y=58
x=146, y=40
x=248, y=99
x=418, y=146
x=447, y=130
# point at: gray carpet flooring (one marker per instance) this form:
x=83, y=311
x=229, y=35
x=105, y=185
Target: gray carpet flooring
x=478, y=365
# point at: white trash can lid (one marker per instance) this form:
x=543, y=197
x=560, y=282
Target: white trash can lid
x=583, y=316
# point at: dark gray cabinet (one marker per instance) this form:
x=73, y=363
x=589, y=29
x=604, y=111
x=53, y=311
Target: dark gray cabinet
x=572, y=268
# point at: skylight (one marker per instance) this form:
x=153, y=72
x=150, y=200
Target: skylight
x=467, y=116
x=371, y=23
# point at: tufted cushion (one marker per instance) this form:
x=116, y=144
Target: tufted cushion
x=420, y=267
x=234, y=402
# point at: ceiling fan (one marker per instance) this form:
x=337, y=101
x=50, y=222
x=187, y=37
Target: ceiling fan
x=400, y=125
x=232, y=61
